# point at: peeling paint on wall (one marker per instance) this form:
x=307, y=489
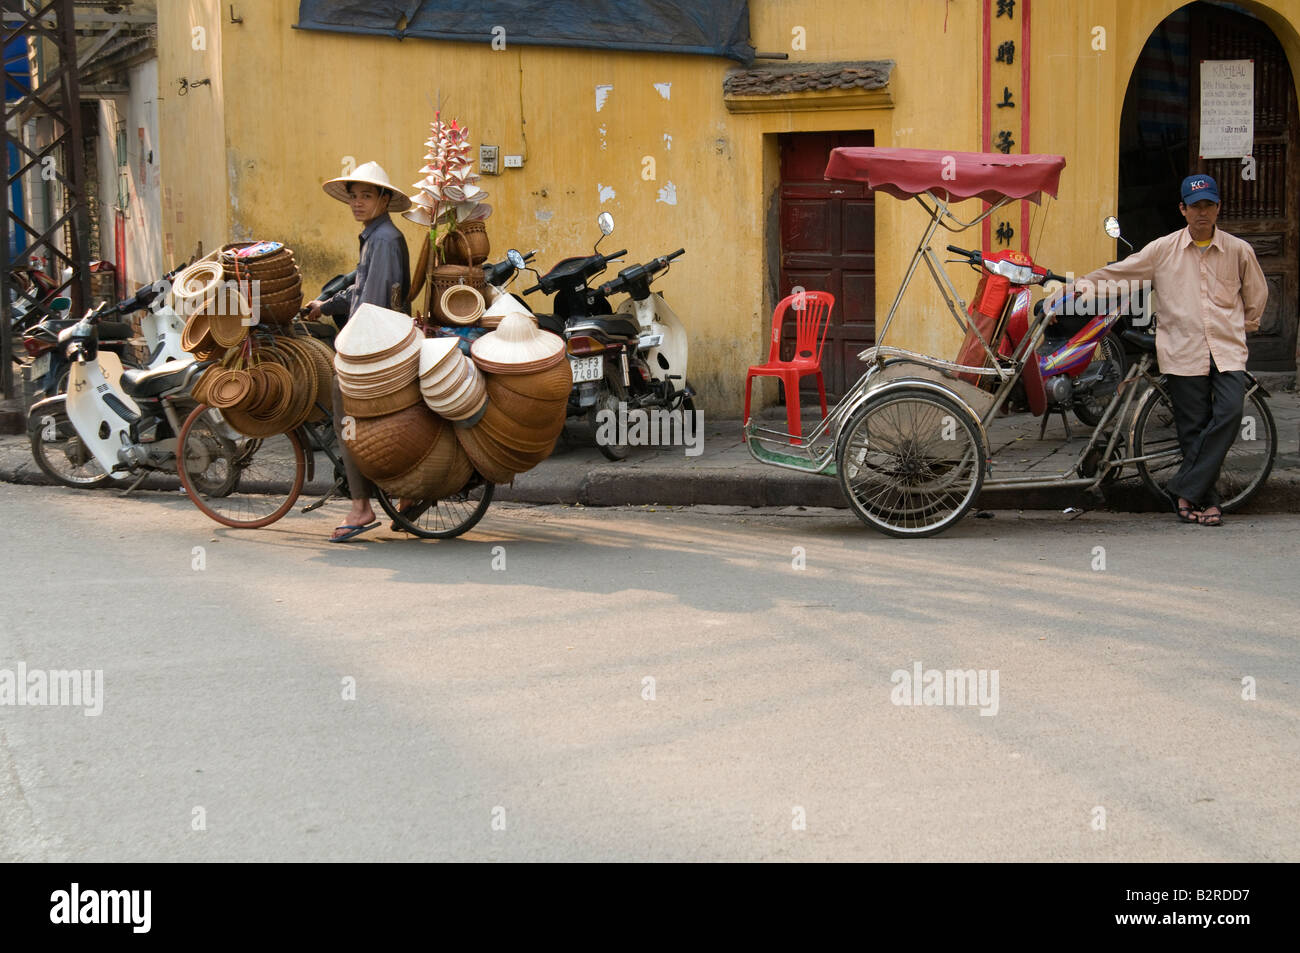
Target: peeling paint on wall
x=664, y=89
x=603, y=132
x=606, y=192
x=668, y=194
x=602, y=93
x=544, y=214
x=668, y=142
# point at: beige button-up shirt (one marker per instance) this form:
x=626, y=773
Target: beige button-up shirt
x=1208, y=299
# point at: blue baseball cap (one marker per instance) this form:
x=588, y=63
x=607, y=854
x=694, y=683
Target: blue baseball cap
x=1197, y=187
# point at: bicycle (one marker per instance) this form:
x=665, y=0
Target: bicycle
x=266, y=475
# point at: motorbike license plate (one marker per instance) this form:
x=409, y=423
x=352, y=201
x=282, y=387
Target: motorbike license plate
x=40, y=366
x=587, y=368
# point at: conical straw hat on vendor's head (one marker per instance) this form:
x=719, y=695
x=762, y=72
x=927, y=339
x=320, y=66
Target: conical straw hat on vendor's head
x=368, y=173
x=517, y=340
x=373, y=333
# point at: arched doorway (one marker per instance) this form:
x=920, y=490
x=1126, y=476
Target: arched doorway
x=1160, y=144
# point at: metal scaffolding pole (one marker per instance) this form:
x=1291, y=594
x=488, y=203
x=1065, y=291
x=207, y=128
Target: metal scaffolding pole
x=54, y=94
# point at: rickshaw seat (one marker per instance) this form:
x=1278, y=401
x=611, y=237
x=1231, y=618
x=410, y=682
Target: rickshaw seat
x=811, y=321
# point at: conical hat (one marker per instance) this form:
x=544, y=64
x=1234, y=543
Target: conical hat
x=433, y=351
x=373, y=331
x=369, y=173
x=517, y=340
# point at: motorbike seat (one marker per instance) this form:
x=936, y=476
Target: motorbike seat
x=115, y=331
x=614, y=327
x=1142, y=340
x=159, y=380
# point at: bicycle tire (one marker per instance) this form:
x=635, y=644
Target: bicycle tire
x=1153, y=432
x=247, y=452
x=440, y=519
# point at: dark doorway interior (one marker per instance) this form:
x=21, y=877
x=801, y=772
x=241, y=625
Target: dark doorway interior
x=1159, y=145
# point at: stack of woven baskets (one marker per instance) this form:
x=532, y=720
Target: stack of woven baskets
x=499, y=413
x=269, y=389
x=527, y=382
x=267, y=276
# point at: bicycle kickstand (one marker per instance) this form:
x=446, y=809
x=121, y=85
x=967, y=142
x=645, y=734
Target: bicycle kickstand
x=329, y=495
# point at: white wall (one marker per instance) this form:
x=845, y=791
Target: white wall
x=139, y=109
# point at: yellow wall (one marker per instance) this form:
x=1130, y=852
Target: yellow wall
x=191, y=130
x=296, y=103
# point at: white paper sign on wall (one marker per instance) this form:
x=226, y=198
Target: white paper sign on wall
x=1227, y=108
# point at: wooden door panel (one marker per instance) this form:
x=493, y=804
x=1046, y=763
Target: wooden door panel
x=828, y=244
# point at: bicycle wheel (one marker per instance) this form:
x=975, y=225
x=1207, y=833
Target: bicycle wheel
x=911, y=462
x=440, y=519
x=1246, y=467
x=61, y=455
x=238, y=481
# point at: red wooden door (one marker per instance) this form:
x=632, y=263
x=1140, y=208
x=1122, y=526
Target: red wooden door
x=828, y=243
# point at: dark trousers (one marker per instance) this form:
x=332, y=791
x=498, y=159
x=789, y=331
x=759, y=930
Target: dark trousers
x=358, y=486
x=1207, y=415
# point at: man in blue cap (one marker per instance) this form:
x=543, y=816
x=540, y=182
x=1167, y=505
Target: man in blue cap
x=1212, y=292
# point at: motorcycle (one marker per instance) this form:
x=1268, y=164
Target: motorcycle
x=161, y=328
x=629, y=359
x=1077, y=373
x=111, y=423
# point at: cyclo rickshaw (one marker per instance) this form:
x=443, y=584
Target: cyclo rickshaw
x=909, y=441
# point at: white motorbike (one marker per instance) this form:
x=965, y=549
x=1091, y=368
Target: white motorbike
x=111, y=424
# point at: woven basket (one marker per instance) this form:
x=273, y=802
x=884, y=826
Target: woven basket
x=378, y=406
x=444, y=470
x=384, y=447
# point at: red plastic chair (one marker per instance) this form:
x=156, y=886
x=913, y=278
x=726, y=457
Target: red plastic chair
x=812, y=310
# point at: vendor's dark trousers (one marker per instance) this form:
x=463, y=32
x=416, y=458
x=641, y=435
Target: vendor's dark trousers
x=358, y=485
x=1207, y=415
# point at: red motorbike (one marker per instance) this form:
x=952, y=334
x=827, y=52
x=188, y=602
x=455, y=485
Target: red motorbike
x=1079, y=365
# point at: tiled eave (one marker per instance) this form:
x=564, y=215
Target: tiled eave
x=784, y=87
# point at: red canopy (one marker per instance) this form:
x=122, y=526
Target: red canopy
x=991, y=176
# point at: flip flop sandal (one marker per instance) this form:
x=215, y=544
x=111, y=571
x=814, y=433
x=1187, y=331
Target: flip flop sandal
x=354, y=530
x=1187, y=514
x=1211, y=519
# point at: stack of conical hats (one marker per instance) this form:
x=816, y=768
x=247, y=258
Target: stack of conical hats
x=395, y=440
x=450, y=383
x=377, y=356
x=527, y=383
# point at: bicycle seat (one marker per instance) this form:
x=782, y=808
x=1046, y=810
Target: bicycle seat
x=1142, y=340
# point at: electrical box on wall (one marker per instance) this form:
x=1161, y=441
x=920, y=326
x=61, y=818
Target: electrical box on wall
x=514, y=162
x=487, y=160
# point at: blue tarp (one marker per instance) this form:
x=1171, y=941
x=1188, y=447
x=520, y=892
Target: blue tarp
x=18, y=81
x=710, y=27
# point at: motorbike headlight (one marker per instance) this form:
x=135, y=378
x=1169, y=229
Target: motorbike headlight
x=1020, y=274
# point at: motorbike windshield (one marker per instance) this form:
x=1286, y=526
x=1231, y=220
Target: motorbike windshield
x=952, y=176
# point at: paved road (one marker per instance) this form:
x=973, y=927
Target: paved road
x=517, y=697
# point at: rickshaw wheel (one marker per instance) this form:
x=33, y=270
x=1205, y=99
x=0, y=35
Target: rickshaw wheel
x=1246, y=467
x=911, y=462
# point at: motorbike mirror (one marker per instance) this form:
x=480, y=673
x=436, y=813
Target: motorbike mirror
x=1112, y=226
x=516, y=259
x=61, y=304
x=606, y=223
